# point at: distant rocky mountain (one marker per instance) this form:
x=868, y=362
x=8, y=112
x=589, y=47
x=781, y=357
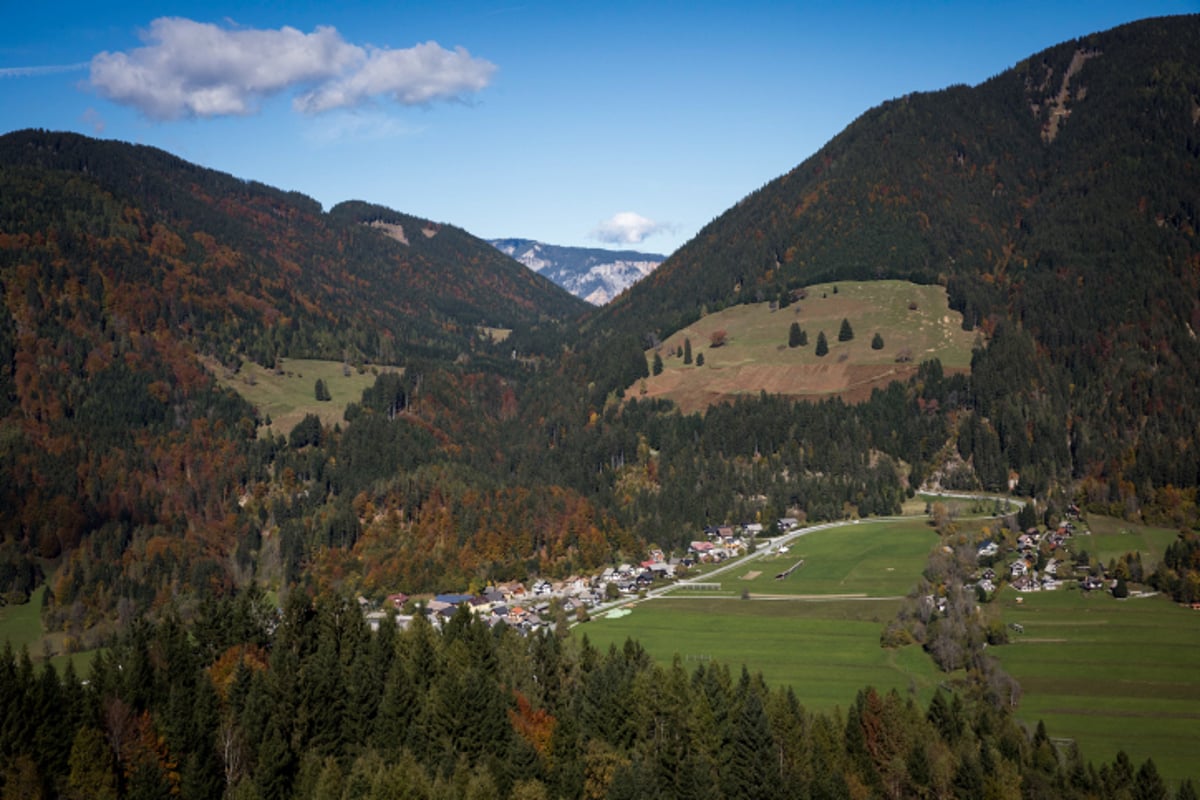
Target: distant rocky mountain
x=594, y=274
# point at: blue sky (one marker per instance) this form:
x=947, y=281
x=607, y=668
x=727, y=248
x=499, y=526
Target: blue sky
x=611, y=124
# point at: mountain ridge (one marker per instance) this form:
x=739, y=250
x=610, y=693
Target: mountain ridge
x=1056, y=203
x=595, y=274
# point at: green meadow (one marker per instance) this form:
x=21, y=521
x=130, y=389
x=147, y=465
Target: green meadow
x=875, y=559
x=1111, y=674
x=21, y=625
x=287, y=396
x=825, y=649
x=817, y=630
x=1111, y=538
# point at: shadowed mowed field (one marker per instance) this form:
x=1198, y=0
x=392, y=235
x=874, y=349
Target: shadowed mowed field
x=1111, y=674
x=825, y=650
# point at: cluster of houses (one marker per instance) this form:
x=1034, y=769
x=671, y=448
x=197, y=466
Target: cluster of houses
x=728, y=541
x=1022, y=572
x=529, y=608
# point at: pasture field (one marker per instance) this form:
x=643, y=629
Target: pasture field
x=1111, y=674
x=756, y=356
x=817, y=630
x=286, y=398
x=1111, y=538
x=21, y=625
x=826, y=650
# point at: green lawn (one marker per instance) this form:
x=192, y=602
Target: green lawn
x=288, y=396
x=1112, y=674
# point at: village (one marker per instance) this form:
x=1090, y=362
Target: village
x=1040, y=560
x=545, y=603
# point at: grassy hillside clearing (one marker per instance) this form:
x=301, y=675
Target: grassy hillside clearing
x=288, y=395
x=21, y=625
x=912, y=319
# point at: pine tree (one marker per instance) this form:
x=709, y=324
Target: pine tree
x=687, y=351
x=658, y=365
x=845, y=333
x=700, y=359
x=794, y=334
x=822, y=344
x=877, y=342
x=322, y=391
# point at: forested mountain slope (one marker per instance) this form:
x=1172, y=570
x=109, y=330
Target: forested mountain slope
x=119, y=265
x=1058, y=204
x=247, y=270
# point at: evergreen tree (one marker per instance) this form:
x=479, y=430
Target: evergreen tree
x=322, y=391
x=822, y=344
x=658, y=365
x=845, y=333
x=877, y=341
x=91, y=764
x=794, y=334
x=687, y=351
x=700, y=359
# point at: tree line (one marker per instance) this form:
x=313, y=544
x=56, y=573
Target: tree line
x=309, y=702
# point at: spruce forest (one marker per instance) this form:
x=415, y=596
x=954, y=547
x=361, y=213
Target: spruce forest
x=214, y=563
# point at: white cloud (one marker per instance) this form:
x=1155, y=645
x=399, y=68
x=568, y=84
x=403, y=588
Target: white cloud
x=417, y=75
x=195, y=69
x=627, y=227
